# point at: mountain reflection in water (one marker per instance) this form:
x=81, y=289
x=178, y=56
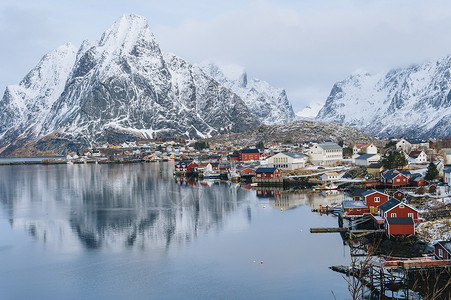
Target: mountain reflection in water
x=120, y=206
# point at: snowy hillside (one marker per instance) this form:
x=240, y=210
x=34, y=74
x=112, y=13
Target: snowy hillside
x=121, y=87
x=414, y=101
x=269, y=105
x=310, y=111
x=295, y=132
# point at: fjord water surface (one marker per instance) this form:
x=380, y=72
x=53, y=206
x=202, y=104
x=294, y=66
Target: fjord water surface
x=132, y=231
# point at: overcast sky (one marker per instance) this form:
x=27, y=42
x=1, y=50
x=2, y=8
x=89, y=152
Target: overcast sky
x=302, y=46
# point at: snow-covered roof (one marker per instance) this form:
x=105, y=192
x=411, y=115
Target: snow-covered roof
x=367, y=193
x=365, y=156
x=353, y=204
x=330, y=146
x=294, y=155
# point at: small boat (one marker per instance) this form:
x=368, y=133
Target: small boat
x=211, y=175
x=233, y=176
x=331, y=187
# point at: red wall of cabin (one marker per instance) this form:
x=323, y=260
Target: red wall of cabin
x=445, y=254
x=369, y=200
x=397, y=229
x=403, y=212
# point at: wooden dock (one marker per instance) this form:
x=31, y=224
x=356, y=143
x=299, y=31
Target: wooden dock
x=327, y=210
x=275, y=182
x=394, y=275
x=326, y=230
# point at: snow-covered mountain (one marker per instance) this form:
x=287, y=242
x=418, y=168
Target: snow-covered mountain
x=121, y=87
x=269, y=105
x=414, y=101
x=310, y=111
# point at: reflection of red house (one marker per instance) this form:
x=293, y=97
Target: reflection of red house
x=442, y=250
x=399, y=226
x=268, y=193
x=191, y=182
x=397, y=209
x=267, y=173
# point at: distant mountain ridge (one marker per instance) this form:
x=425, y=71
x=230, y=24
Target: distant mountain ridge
x=268, y=105
x=123, y=87
x=413, y=101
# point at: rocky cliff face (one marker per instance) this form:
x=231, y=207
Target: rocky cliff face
x=269, y=105
x=414, y=101
x=121, y=87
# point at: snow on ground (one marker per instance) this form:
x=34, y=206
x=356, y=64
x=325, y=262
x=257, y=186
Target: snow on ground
x=437, y=230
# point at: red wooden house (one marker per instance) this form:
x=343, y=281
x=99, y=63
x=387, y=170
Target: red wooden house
x=417, y=181
x=373, y=199
x=394, y=208
x=248, y=155
x=233, y=157
x=393, y=178
x=246, y=171
x=442, y=250
x=267, y=173
x=186, y=166
x=399, y=226
x=400, y=194
x=357, y=196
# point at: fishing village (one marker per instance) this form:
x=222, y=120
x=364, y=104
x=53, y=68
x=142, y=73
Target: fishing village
x=393, y=208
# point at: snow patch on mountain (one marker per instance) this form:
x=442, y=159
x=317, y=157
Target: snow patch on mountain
x=310, y=111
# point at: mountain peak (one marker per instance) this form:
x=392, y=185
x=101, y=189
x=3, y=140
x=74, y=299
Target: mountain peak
x=126, y=32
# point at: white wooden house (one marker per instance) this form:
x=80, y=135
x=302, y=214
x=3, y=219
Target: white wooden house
x=417, y=157
x=325, y=154
x=287, y=161
x=367, y=159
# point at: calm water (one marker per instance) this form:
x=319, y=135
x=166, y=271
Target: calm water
x=133, y=232
x=30, y=159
